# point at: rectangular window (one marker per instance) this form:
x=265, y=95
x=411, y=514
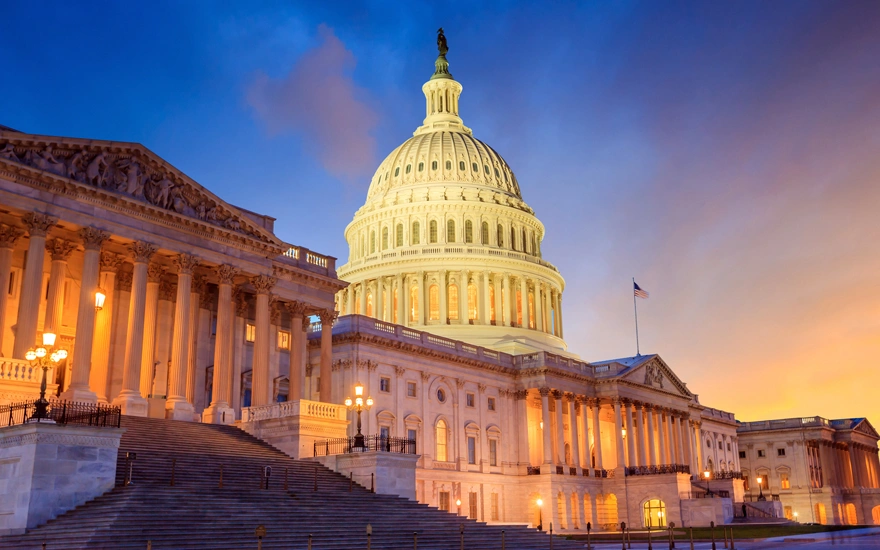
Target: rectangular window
x=250, y=332
x=493, y=452
x=494, y=506
x=780, y=452
x=761, y=453
x=411, y=435
x=472, y=450
x=384, y=432
x=784, y=482
x=719, y=446
x=469, y=400
x=742, y=454
x=12, y=283
x=788, y=514
x=728, y=447
x=491, y=404
x=283, y=339
x=472, y=505
x=385, y=385
x=443, y=497
x=410, y=389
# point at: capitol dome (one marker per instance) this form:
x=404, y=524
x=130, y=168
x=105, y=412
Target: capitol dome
x=445, y=243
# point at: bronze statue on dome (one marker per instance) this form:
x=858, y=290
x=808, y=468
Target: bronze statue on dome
x=441, y=42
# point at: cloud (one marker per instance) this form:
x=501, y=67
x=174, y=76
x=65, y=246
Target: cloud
x=319, y=100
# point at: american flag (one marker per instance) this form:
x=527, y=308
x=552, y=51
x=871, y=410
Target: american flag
x=637, y=290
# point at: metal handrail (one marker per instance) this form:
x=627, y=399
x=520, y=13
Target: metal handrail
x=62, y=412
x=378, y=443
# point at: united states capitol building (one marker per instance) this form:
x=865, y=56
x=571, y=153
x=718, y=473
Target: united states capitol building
x=446, y=310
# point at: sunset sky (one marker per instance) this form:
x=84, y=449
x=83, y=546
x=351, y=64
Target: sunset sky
x=725, y=154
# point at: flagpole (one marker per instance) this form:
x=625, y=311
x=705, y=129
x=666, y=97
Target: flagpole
x=636, y=312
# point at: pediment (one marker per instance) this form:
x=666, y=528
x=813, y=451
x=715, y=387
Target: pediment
x=866, y=428
x=656, y=373
x=129, y=171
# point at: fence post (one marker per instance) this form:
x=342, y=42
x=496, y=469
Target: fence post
x=725, y=536
x=415, y=541
x=712, y=531
x=310, y=541
x=650, y=539
x=369, y=535
x=622, y=535
x=691, y=531
x=551, y=535
x=502, y=539
x=149, y=545
x=461, y=530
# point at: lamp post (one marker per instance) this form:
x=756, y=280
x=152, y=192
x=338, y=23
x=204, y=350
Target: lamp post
x=761, y=497
x=540, y=503
x=458, y=503
x=706, y=475
x=44, y=356
x=359, y=405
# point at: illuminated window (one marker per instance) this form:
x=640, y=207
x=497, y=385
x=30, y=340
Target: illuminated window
x=414, y=238
x=468, y=231
x=519, y=311
x=493, y=452
x=472, y=301
x=452, y=298
x=250, y=332
x=492, y=303
x=283, y=339
x=434, y=303
x=395, y=307
x=432, y=231
x=441, y=436
x=414, y=303
x=370, y=304
x=655, y=513
x=484, y=233
x=450, y=231
x=784, y=482
x=443, y=500
x=399, y=235
x=494, y=506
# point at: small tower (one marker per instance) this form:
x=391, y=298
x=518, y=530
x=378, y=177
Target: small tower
x=441, y=96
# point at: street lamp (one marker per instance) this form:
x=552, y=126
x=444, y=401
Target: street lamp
x=540, y=503
x=761, y=497
x=44, y=356
x=795, y=516
x=99, y=299
x=458, y=503
x=359, y=405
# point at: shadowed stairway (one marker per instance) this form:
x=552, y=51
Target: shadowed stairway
x=196, y=512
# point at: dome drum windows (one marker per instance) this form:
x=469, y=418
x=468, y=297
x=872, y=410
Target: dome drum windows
x=450, y=231
x=475, y=167
x=408, y=168
x=421, y=166
x=468, y=231
x=433, y=165
x=399, y=235
x=397, y=171
x=415, y=237
x=449, y=165
x=432, y=231
x=384, y=238
x=461, y=165
x=484, y=233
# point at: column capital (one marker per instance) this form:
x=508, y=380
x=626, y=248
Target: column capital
x=425, y=376
x=199, y=284
x=93, y=238
x=226, y=273
x=274, y=310
x=155, y=272
x=110, y=261
x=186, y=263
x=141, y=251
x=296, y=308
x=9, y=234
x=520, y=395
x=263, y=283
x=167, y=291
x=570, y=396
x=327, y=315
x=239, y=299
x=545, y=391
x=38, y=225
x=557, y=394
x=60, y=249
x=481, y=388
x=123, y=281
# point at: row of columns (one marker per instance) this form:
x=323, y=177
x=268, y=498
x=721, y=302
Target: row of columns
x=504, y=309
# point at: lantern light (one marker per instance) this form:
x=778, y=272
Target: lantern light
x=40, y=351
x=539, y=502
x=99, y=299
x=348, y=401
x=369, y=402
x=706, y=474
x=54, y=357
x=62, y=354
x=623, y=432
x=359, y=401
x=358, y=389
x=49, y=339
x=30, y=355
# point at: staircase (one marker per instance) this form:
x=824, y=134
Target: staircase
x=756, y=515
x=200, y=512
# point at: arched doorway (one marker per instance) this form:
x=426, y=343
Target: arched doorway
x=654, y=514
x=820, y=514
x=851, y=517
x=875, y=515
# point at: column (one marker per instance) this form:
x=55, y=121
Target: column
x=854, y=466
x=9, y=234
x=235, y=348
x=539, y=309
x=151, y=313
x=573, y=410
x=130, y=398
x=60, y=250
x=674, y=447
x=504, y=312
x=422, y=294
x=444, y=313
x=632, y=459
x=560, y=433
x=597, y=437
x=99, y=378
x=38, y=226
x=485, y=307
x=496, y=282
x=362, y=288
x=618, y=435
x=463, y=297
x=177, y=406
x=379, y=303
x=545, y=430
x=349, y=300
x=559, y=313
x=297, y=311
x=522, y=433
x=197, y=289
x=85, y=317
x=219, y=411
x=401, y=301
x=261, y=385
x=327, y=318
x=524, y=300
x=652, y=454
x=697, y=455
x=661, y=436
x=642, y=435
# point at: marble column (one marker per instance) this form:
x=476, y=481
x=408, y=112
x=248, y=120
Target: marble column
x=261, y=393
x=401, y=300
x=379, y=303
x=559, y=312
x=504, y=312
x=524, y=300
x=522, y=434
x=545, y=430
x=444, y=299
x=618, y=434
x=652, y=452
x=463, y=313
x=697, y=455
x=130, y=398
x=59, y=250
x=38, y=226
x=9, y=235
x=198, y=288
x=85, y=317
x=631, y=452
x=423, y=302
x=236, y=350
x=641, y=436
x=362, y=289
x=560, y=432
x=327, y=318
x=297, y=312
x=854, y=466
x=177, y=406
x=349, y=300
x=219, y=411
x=151, y=313
x=679, y=443
x=486, y=306
x=539, y=307
x=99, y=378
x=661, y=437
x=573, y=414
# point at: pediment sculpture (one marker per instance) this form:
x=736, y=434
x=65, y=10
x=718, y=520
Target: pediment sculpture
x=653, y=375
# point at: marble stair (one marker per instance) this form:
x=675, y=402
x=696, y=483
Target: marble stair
x=197, y=513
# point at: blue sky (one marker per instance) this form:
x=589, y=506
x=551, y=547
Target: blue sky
x=723, y=153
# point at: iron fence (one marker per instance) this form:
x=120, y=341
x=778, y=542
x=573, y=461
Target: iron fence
x=62, y=412
x=346, y=445
x=657, y=470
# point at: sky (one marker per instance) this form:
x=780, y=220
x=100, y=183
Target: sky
x=725, y=154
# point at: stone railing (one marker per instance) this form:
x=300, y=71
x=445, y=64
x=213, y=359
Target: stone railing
x=307, y=259
x=657, y=470
x=444, y=250
x=782, y=423
x=19, y=370
x=303, y=407
x=716, y=413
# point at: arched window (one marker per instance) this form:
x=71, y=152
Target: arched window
x=655, y=513
x=434, y=303
x=486, y=168
x=384, y=238
x=397, y=171
x=492, y=303
x=461, y=165
x=432, y=231
x=372, y=242
x=484, y=233
x=414, y=304
x=433, y=165
x=468, y=231
x=421, y=166
x=497, y=175
x=534, y=245
x=500, y=235
x=450, y=231
x=399, y=236
x=408, y=168
x=452, y=299
x=449, y=165
x=524, y=241
x=472, y=301
x=475, y=167
x=441, y=437
x=512, y=239
x=414, y=237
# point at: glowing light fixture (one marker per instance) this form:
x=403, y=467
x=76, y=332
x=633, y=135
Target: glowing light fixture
x=49, y=339
x=99, y=299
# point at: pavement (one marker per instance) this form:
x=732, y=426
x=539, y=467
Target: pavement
x=858, y=539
